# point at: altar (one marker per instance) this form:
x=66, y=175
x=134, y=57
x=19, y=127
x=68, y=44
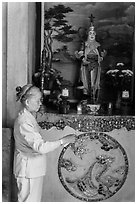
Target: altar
x=100, y=166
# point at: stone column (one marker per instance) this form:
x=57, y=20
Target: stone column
x=20, y=62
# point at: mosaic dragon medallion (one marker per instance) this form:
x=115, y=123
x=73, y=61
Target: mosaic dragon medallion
x=94, y=168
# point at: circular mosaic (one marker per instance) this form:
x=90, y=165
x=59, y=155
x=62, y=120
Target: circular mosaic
x=94, y=168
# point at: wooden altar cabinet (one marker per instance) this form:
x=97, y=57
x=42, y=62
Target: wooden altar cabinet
x=119, y=129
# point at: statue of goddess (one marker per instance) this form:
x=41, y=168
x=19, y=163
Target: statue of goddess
x=90, y=71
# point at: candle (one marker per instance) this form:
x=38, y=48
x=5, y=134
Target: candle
x=79, y=109
x=125, y=94
x=65, y=92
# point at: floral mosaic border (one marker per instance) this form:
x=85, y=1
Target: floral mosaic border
x=85, y=123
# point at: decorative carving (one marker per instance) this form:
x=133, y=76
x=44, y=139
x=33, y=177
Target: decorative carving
x=85, y=123
x=94, y=168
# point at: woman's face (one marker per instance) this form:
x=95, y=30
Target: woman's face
x=33, y=103
x=92, y=35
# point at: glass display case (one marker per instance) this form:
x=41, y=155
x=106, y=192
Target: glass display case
x=106, y=76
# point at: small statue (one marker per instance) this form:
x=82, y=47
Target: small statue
x=91, y=56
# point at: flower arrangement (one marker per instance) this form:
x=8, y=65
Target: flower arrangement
x=120, y=77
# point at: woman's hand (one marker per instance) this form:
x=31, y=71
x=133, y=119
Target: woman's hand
x=68, y=139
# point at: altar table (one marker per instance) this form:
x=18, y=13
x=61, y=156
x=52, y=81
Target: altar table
x=76, y=176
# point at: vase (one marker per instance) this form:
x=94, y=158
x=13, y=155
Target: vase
x=118, y=100
x=64, y=107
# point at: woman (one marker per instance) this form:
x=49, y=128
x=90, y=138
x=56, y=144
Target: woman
x=30, y=147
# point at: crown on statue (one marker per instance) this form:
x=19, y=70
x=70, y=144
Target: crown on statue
x=91, y=30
